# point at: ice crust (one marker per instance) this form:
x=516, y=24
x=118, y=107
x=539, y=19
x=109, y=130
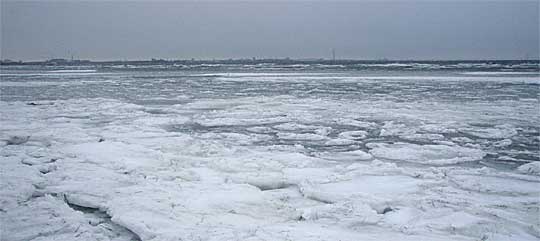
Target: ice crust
x=252, y=168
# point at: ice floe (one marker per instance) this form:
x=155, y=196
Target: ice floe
x=530, y=168
x=497, y=132
x=426, y=154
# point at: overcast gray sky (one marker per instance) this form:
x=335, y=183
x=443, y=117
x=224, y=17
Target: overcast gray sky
x=113, y=30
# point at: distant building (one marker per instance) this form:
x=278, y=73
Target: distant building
x=66, y=62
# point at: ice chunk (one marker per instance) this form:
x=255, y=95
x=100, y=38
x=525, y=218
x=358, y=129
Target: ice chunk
x=295, y=127
x=353, y=135
x=426, y=154
x=261, y=130
x=229, y=121
x=345, y=212
x=423, y=137
x=119, y=154
x=236, y=137
x=503, y=143
x=357, y=155
x=499, y=185
x=392, y=129
x=50, y=218
x=439, y=128
x=462, y=139
x=353, y=122
x=301, y=136
x=340, y=142
x=17, y=140
x=18, y=182
x=532, y=168
x=369, y=188
x=497, y=132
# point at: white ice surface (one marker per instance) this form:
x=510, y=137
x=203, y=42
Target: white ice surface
x=125, y=175
x=426, y=154
x=530, y=168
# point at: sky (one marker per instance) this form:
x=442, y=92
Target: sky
x=128, y=30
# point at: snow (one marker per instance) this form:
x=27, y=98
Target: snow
x=269, y=168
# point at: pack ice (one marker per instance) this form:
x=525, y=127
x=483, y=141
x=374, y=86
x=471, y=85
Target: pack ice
x=269, y=168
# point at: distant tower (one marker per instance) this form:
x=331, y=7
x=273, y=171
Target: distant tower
x=333, y=54
x=70, y=54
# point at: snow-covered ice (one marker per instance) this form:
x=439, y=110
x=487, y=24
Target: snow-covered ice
x=425, y=154
x=270, y=165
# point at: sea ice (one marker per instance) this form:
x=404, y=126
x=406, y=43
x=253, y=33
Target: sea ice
x=425, y=154
x=353, y=135
x=530, y=168
x=357, y=155
x=301, y=136
x=497, y=132
x=222, y=167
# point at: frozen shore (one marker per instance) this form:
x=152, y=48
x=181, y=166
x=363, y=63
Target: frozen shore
x=269, y=168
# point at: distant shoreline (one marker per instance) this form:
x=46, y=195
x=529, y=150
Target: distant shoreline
x=286, y=61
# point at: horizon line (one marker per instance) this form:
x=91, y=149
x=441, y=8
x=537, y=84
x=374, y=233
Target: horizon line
x=7, y=60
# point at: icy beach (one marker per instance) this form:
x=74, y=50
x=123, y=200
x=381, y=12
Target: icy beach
x=272, y=154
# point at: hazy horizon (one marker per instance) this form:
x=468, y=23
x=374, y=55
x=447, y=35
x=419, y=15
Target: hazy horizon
x=246, y=58
x=404, y=30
